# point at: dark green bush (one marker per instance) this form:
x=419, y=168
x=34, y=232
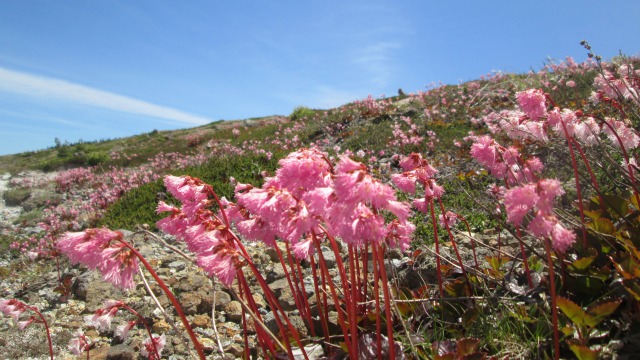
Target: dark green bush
x=138, y=205
x=302, y=112
x=15, y=197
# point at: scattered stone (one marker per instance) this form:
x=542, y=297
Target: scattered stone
x=234, y=311
x=234, y=349
x=99, y=353
x=161, y=327
x=201, y=321
x=121, y=352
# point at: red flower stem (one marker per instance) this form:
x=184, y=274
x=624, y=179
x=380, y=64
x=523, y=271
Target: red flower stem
x=298, y=281
x=275, y=304
x=387, y=301
x=173, y=300
x=270, y=297
x=376, y=294
x=253, y=308
x=298, y=290
x=351, y=306
x=576, y=175
x=525, y=261
x=473, y=241
x=592, y=176
x=144, y=323
x=343, y=274
x=294, y=289
x=321, y=302
x=46, y=328
x=554, y=309
x=365, y=276
x=358, y=284
x=244, y=325
x=455, y=247
x=212, y=192
x=437, y=242
x=336, y=301
x=626, y=157
x=305, y=299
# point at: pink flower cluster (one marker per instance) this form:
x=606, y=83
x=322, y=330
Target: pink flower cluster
x=402, y=138
x=307, y=197
x=625, y=84
x=418, y=171
x=15, y=308
x=104, y=250
x=205, y=233
x=535, y=121
x=537, y=199
x=533, y=103
x=505, y=163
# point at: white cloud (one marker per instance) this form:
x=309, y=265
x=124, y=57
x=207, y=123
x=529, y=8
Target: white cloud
x=377, y=61
x=39, y=86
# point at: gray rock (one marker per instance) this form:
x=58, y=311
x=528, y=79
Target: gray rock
x=177, y=265
x=121, y=352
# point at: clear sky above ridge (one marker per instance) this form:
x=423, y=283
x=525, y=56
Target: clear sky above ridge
x=93, y=70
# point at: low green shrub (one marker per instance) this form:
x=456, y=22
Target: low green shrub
x=302, y=112
x=15, y=197
x=138, y=206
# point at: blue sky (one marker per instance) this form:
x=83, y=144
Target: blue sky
x=104, y=69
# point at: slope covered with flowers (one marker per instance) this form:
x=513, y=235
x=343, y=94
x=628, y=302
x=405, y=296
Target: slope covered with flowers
x=514, y=199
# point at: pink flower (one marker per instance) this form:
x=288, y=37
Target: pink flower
x=101, y=318
x=628, y=138
x=449, y=219
x=362, y=226
x=12, y=307
x=122, y=331
x=220, y=263
x=119, y=265
x=571, y=83
x=404, y=182
x=23, y=324
x=421, y=205
x=149, y=350
x=399, y=234
x=519, y=201
x=562, y=238
x=186, y=188
x=79, y=343
x=303, y=249
x=86, y=247
x=533, y=103
x=538, y=197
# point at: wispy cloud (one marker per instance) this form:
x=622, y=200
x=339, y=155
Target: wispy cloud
x=44, y=87
x=376, y=59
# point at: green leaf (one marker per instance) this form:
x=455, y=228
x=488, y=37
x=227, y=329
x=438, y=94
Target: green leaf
x=582, y=352
x=619, y=205
x=496, y=262
x=594, y=214
x=470, y=316
x=573, y=311
x=626, y=266
x=601, y=310
x=602, y=225
x=583, y=263
x=467, y=346
x=632, y=288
